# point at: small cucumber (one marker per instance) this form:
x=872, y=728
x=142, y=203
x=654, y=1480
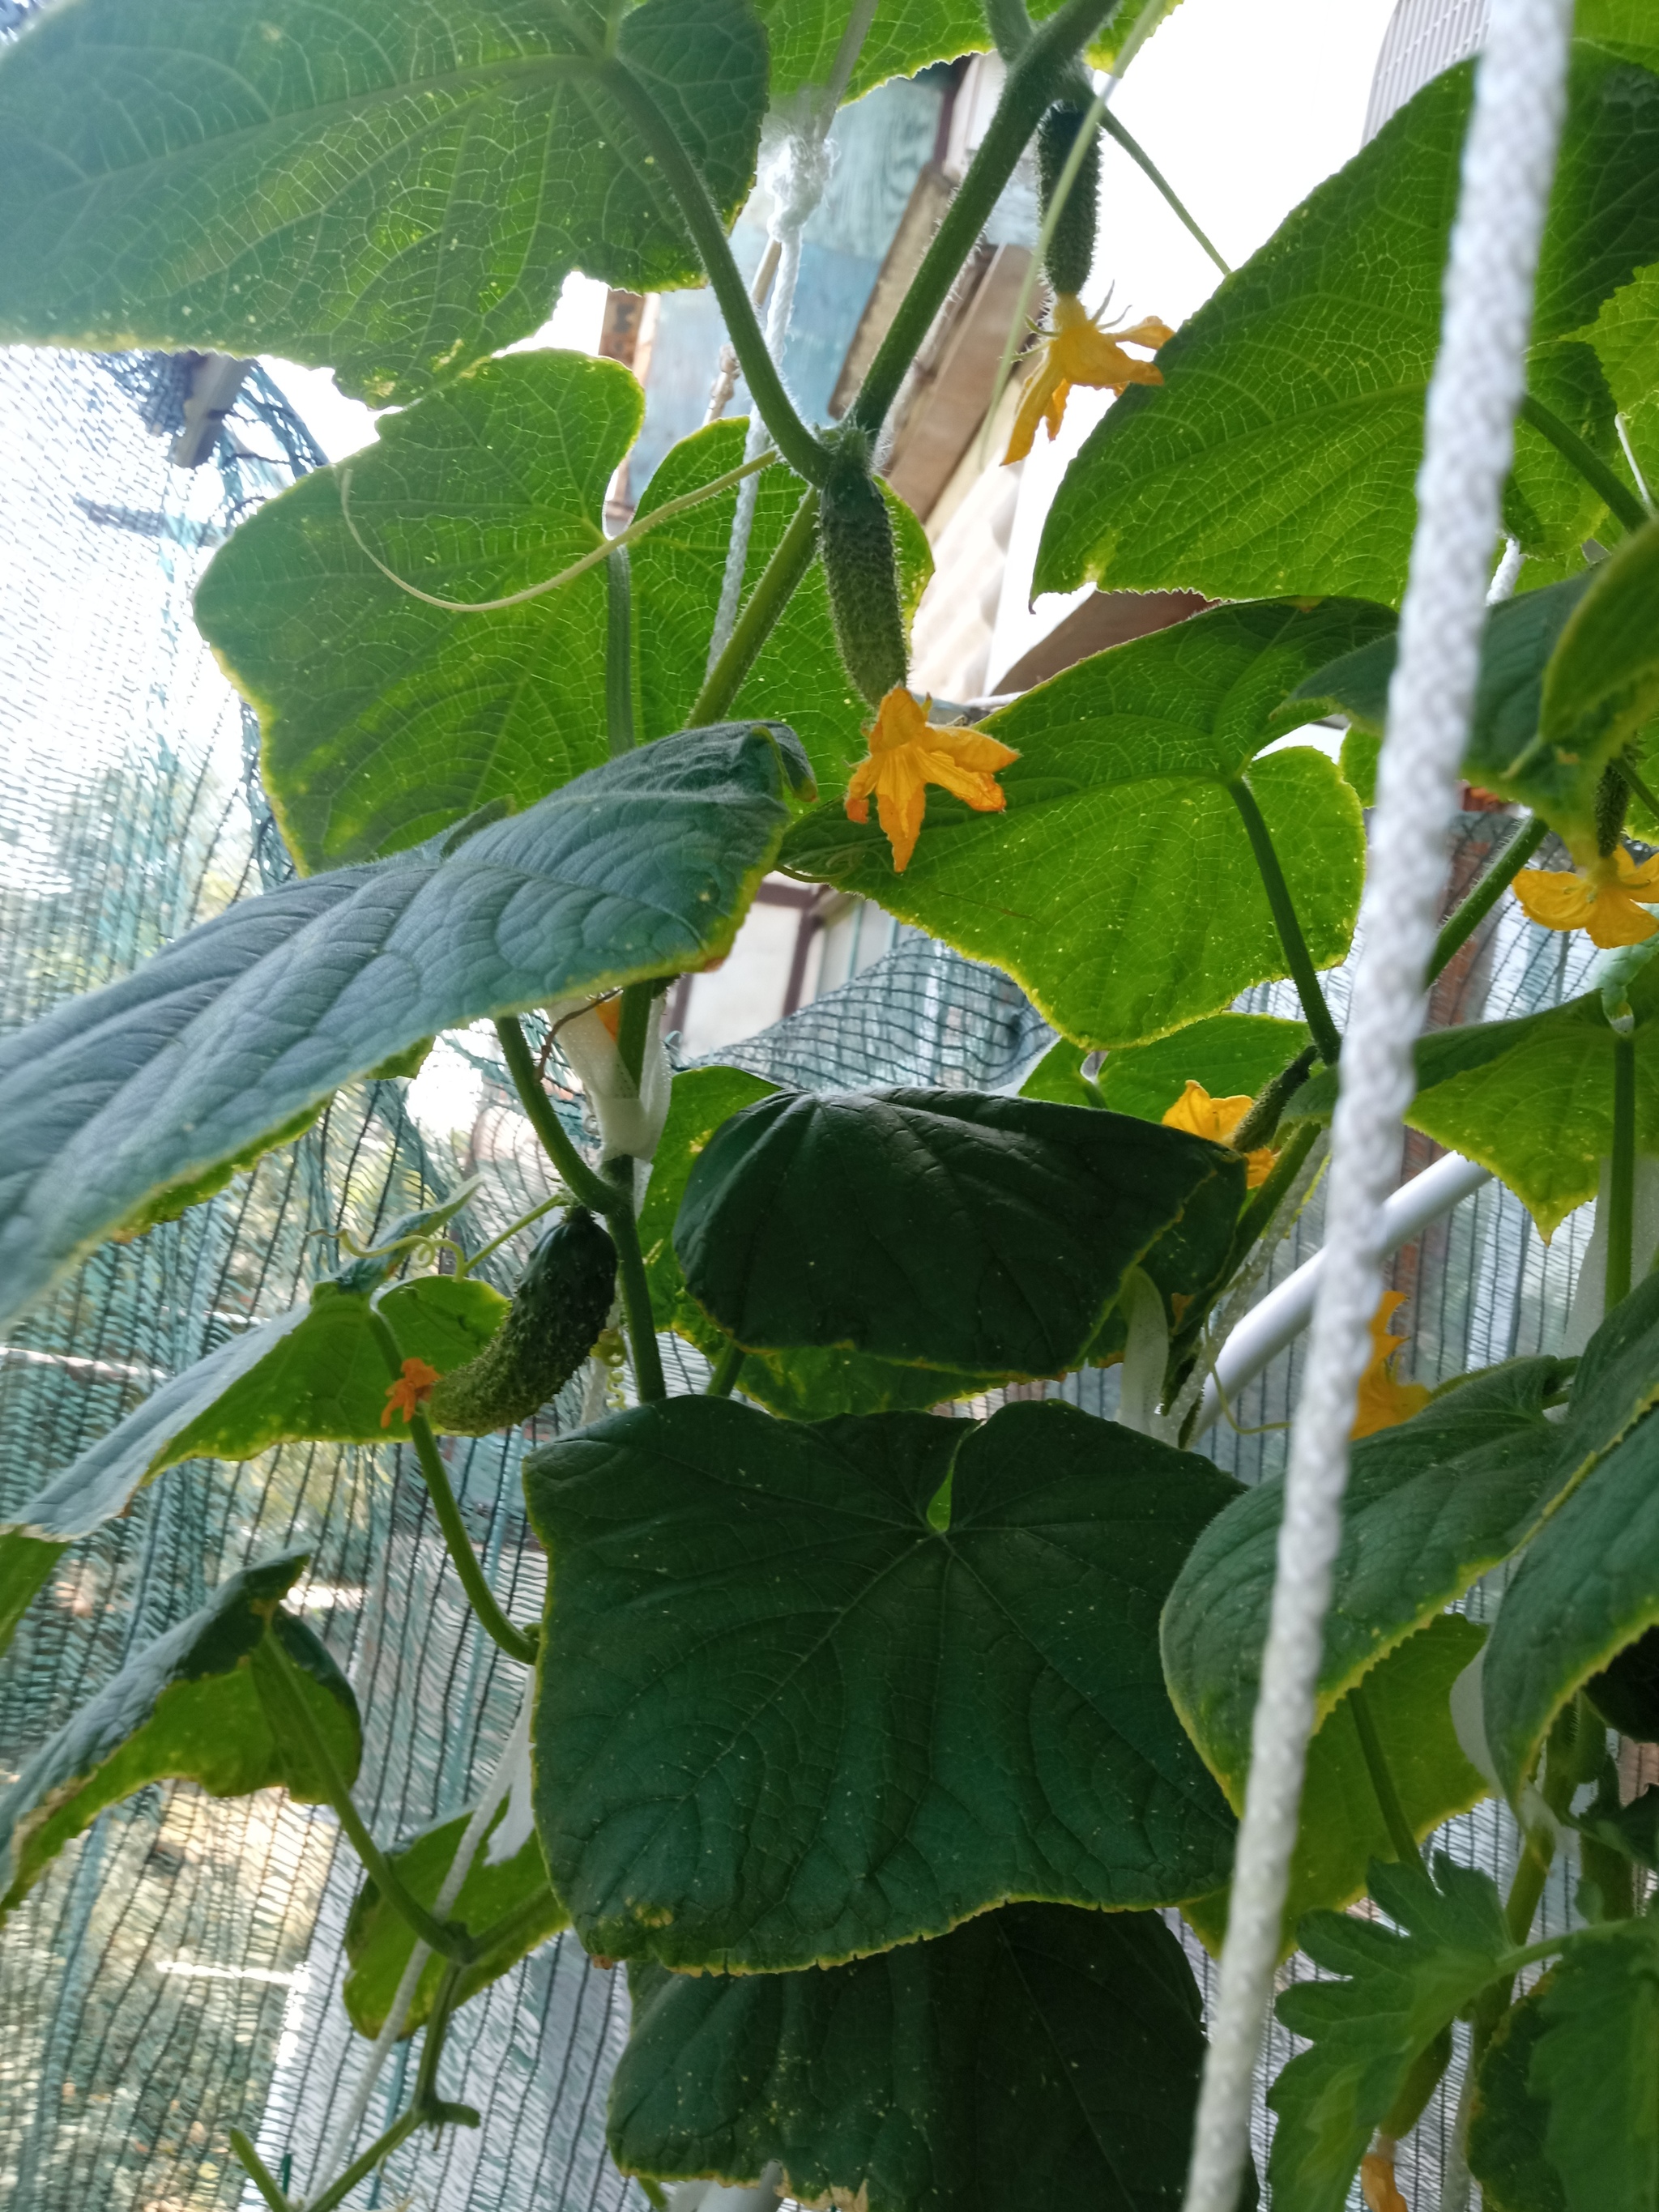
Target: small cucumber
x=1072, y=249
x=559, y=1309
x=856, y=535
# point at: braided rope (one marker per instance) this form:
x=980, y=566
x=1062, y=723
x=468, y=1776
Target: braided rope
x=1508, y=159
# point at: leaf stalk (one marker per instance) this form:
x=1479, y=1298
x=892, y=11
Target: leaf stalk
x=1620, y=500
x=1297, y=958
x=1501, y=870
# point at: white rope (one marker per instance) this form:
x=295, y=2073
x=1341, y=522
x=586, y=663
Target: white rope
x=1509, y=158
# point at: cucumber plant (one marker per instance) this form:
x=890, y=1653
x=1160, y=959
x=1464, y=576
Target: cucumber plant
x=880, y=1745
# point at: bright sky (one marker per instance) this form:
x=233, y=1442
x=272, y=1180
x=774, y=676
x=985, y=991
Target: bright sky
x=1244, y=108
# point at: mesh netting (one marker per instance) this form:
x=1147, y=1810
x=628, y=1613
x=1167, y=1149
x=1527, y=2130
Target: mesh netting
x=177, y=1971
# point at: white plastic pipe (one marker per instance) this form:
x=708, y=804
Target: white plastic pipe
x=1285, y=1312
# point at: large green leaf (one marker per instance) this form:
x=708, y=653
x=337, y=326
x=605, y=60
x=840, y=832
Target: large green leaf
x=1624, y=27
x=640, y=868
x=1034, y=2057
x=1342, y=1829
x=314, y=1373
x=393, y=191
x=379, y=1940
x=799, y=1701
x=1280, y=454
x=801, y=1385
x=953, y=1229
x=904, y=36
x=1231, y=1055
x=193, y=1705
x=1531, y=1098
x=1508, y=2120
x=1597, y=2062
x=677, y=573
x=1588, y=1586
x=1404, y=1985
x=385, y=721
x=1602, y=682
x=1120, y=887
x=1431, y=1506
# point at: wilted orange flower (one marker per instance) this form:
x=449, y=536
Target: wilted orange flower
x=1078, y=351
x=1201, y=1115
x=1383, y=1403
x=1607, y=899
x=908, y=753
x=1377, y=2183
x=410, y=1391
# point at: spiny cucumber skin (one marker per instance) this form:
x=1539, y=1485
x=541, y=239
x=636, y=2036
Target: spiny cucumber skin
x=1072, y=249
x=560, y=1307
x=856, y=535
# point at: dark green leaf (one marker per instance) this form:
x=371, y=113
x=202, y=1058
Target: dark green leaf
x=1431, y=1506
x=784, y=1717
x=1632, y=1831
x=678, y=574
x=1602, y=682
x=391, y=192
x=1119, y=888
x=1404, y=1984
x=25, y=1563
x=1531, y=1098
x=1507, y=2121
x=1036, y=2056
x=946, y=1228
x=379, y=1940
x=191, y=1705
x=1280, y=454
x=1503, y=753
x=386, y=720
x=1342, y=1828
x=640, y=868
x=1597, y=2062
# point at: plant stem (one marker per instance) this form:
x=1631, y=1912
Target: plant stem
x=1638, y=787
x=1621, y=500
x=494, y=1622
x=1501, y=870
x=634, y=1028
x=1264, y=1202
x=1621, y=1180
x=619, y=652
x=1261, y=1125
x=583, y=1182
x=1043, y=67
x=1383, y=1781
x=451, y=1942
x=259, y=2172
x=1143, y=160
x=424, y=2104
x=724, y=1377
x=770, y=596
x=635, y=1290
x=1296, y=955
x=469, y=1261
x=803, y=452
x=382, y=2147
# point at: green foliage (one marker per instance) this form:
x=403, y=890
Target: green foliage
x=1404, y=1985
x=378, y=1942
x=1059, y=2049
x=1127, y=759
x=25, y=1563
x=1507, y=2119
x=193, y=1704
x=563, y=1302
x=1232, y=1055
x=1597, y=2062
x=390, y=192
x=386, y=720
x=1281, y=454
x=641, y=868
x=785, y=1717
x=677, y=573
x=1602, y=682
x=1020, y=1219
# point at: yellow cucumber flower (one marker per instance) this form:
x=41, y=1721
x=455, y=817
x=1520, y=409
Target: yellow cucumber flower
x=410, y=1391
x=1078, y=351
x=908, y=753
x=1200, y=1116
x=1383, y=1403
x=1607, y=899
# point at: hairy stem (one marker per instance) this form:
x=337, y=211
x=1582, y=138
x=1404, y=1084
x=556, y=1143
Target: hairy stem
x=770, y=596
x=635, y=1290
x=259, y=2172
x=1043, y=66
x=494, y=1622
x=451, y=1942
x=1264, y=1203
x=1261, y=1125
x=1296, y=955
x=797, y=444
x=469, y=1261
x=1144, y=161
x=619, y=652
x=1621, y=1179
x=723, y=1379
x=1383, y=1781
x=1501, y=871
x=424, y=2106
x=584, y=1183
x=1620, y=501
